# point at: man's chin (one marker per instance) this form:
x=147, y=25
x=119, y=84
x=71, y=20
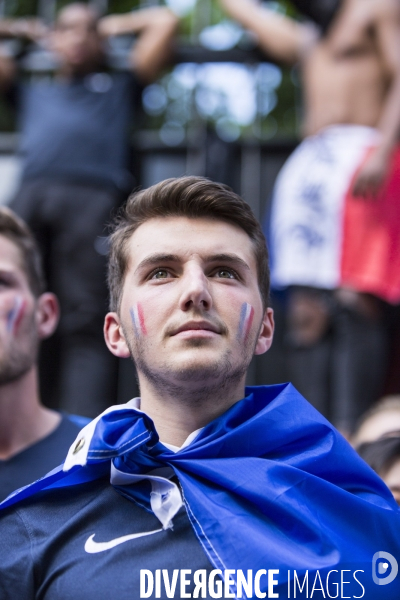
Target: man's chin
x=198, y=362
x=190, y=371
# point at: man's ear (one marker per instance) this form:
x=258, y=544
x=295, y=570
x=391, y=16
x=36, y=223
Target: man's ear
x=266, y=333
x=114, y=336
x=47, y=315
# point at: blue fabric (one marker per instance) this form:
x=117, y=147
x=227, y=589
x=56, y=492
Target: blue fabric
x=269, y=484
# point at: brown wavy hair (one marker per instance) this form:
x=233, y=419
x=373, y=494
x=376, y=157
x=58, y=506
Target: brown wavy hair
x=16, y=230
x=193, y=197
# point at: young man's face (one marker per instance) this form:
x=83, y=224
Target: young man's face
x=24, y=319
x=191, y=308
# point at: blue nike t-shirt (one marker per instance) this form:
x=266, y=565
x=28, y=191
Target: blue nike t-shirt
x=68, y=544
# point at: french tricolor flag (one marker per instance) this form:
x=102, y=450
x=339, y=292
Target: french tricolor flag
x=320, y=234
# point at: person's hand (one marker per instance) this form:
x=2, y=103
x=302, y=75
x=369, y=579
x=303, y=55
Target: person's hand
x=370, y=177
x=30, y=28
x=109, y=26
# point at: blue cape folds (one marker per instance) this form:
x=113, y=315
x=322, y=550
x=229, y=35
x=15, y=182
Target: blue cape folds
x=268, y=485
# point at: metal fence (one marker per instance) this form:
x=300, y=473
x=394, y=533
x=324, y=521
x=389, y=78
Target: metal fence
x=248, y=159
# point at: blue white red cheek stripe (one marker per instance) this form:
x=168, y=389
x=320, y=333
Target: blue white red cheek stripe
x=14, y=315
x=137, y=317
x=135, y=320
x=245, y=320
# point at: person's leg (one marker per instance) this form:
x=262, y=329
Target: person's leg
x=88, y=372
x=359, y=355
x=392, y=383
x=307, y=343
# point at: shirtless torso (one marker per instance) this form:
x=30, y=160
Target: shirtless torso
x=350, y=75
x=344, y=75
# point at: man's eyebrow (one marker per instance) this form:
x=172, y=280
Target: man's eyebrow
x=228, y=258
x=156, y=259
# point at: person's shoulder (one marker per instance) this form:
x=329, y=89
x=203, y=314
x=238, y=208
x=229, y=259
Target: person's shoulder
x=66, y=431
x=77, y=420
x=384, y=9
x=53, y=506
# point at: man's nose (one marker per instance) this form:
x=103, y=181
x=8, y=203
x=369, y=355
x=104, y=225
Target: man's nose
x=79, y=34
x=195, y=292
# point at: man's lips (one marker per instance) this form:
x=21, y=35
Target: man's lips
x=196, y=328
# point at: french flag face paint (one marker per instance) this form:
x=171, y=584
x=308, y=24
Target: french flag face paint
x=245, y=321
x=138, y=320
x=15, y=315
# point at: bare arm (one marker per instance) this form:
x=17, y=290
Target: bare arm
x=388, y=40
x=155, y=27
x=281, y=37
x=30, y=29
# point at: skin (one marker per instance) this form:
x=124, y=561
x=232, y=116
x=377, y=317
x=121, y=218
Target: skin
x=77, y=39
x=377, y=426
x=23, y=420
x=392, y=479
x=352, y=75
x=191, y=278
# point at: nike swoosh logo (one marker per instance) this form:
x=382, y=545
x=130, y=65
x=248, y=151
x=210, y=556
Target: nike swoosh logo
x=92, y=547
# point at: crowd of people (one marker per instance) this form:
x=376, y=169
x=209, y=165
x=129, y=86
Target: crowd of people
x=189, y=303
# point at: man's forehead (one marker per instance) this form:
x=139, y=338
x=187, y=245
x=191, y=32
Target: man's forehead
x=11, y=258
x=183, y=237
x=76, y=13
x=9, y=251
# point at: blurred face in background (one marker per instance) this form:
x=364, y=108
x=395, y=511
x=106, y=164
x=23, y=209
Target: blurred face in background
x=376, y=426
x=75, y=38
x=392, y=479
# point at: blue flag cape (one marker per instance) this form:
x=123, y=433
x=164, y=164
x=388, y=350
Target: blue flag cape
x=268, y=485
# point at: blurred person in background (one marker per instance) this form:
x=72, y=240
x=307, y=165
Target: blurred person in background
x=383, y=418
x=335, y=226
x=75, y=157
x=383, y=455
x=33, y=439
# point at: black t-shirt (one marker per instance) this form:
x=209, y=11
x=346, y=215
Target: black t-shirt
x=78, y=130
x=40, y=458
x=45, y=553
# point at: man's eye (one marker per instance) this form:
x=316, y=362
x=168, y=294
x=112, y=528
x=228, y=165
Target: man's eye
x=226, y=274
x=160, y=274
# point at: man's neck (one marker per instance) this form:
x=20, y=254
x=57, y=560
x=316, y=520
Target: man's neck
x=23, y=420
x=69, y=72
x=175, y=419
